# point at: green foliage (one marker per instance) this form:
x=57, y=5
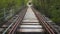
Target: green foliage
x=50, y=8
x=26, y=2
x=7, y=5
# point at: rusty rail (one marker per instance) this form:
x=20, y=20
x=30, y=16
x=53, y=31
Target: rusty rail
x=43, y=22
x=21, y=16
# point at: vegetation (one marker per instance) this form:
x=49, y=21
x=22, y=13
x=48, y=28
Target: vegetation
x=10, y=7
x=51, y=8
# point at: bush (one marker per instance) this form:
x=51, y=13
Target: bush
x=51, y=8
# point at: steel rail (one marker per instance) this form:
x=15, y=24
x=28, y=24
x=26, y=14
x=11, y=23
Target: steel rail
x=21, y=16
x=9, y=26
x=43, y=22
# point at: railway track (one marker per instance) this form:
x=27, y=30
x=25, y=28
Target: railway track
x=28, y=21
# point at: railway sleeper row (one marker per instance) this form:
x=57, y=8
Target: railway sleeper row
x=45, y=23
